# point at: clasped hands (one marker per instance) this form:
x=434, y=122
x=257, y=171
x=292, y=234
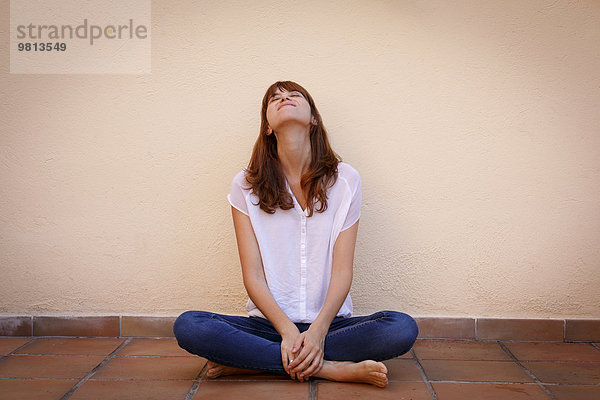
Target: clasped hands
x=302, y=353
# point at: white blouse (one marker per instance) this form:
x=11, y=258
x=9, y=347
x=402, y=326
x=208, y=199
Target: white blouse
x=297, y=251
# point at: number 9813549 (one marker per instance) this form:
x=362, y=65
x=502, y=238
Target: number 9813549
x=43, y=46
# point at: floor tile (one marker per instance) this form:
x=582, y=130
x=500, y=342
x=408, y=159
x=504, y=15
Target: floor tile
x=253, y=377
x=150, y=368
x=554, y=351
x=9, y=344
x=154, y=347
x=20, y=366
x=210, y=390
x=459, y=350
x=574, y=392
x=37, y=389
x=402, y=370
x=394, y=390
x=488, y=391
x=132, y=390
x=82, y=346
x=565, y=372
x=474, y=371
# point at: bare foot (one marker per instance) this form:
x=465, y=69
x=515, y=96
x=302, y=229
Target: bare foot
x=369, y=371
x=215, y=370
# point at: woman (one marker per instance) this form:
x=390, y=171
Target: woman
x=296, y=261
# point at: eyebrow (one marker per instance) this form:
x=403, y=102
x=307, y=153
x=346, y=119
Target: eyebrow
x=291, y=91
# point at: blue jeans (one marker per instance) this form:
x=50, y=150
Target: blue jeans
x=253, y=342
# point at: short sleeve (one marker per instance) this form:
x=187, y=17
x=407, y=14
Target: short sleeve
x=354, y=210
x=236, y=196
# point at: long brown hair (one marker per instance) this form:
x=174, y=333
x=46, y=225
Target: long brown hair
x=264, y=172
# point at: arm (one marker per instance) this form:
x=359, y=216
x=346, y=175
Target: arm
x=310, y=359
x=341, y=277
x=256, y=284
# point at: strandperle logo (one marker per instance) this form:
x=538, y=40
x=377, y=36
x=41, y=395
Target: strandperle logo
x=84, y=31
x=80, y=37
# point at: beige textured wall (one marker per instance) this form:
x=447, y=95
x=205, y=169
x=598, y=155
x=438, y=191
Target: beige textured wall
x=474, y=125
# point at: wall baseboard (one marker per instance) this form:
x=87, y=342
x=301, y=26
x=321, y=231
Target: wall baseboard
x=552, y=330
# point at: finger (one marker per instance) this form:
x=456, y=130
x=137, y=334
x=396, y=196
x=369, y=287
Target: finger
x=304, y=352
x=298, y=343
x=319, y=365
x=297, y=362
x=307, y=361
x=291, y=360
x=293, y=375
x=310, y=369
x=284, y=360
x=302, y=376
x=296, y=358
x=313, y=367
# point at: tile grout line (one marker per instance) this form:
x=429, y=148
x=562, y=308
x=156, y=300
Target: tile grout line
x=489, y=382
x=528, y=372
x=96, y=368
x=197, y=381
x=312, y=390
x=470, y=339
x=88, y=336
x=424, y=375
x=124, y=356
x=5, y=356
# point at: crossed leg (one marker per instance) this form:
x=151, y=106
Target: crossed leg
x=357, y=343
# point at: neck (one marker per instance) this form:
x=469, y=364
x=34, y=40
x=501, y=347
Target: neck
x=294, y=151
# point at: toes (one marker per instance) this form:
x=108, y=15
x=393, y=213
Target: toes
x=212, y=372
x=210, y=364
x=381, y=380
x=383, y=368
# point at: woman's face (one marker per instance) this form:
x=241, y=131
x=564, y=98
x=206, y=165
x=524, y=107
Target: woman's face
x=288, y=108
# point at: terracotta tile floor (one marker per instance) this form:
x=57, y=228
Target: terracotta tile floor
x=147, y=368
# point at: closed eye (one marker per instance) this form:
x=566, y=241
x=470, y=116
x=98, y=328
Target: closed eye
x=277, y=96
